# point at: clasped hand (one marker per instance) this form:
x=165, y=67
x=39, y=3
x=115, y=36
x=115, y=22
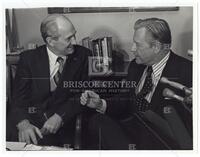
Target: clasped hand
x=52, y=125
x=90, y=99
x=28, y=132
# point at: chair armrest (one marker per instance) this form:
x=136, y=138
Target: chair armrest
x=78, y=131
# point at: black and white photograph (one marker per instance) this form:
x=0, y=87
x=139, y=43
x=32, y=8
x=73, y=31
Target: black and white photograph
x=100, y=78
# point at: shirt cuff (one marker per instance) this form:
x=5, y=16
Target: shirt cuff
x=61, y=115
x=102, y=109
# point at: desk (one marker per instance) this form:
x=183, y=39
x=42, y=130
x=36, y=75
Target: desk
x=22, y=146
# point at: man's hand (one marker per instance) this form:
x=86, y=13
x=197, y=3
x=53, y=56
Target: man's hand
x=27, y=132
x=52, y=124
x=91, y=99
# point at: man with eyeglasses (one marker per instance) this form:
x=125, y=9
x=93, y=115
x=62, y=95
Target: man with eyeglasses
x=42, y=109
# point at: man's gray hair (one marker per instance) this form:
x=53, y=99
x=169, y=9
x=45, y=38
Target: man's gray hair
x=158, y=28
x=48, y=22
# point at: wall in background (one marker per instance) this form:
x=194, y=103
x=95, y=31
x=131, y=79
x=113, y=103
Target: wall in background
x=117, y=25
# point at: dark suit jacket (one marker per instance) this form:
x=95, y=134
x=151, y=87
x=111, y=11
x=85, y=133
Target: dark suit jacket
x=32, y=86
x=177, y=69
x=122, y=107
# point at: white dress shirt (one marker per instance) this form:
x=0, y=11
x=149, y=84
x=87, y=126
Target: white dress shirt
x=156, y=74
x=53, y=67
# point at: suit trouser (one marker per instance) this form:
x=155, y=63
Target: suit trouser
x=112, y=134
x=106, y=133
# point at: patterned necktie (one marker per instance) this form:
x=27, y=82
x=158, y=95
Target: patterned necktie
x=57, y=76
x=141, y=103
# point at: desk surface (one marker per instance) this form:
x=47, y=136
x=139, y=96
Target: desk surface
x=22, y=146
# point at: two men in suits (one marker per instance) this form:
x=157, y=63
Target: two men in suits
x=43, y=110
x=153, y=60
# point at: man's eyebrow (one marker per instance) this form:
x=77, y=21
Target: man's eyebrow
x=135, y=41
x=69, y=36
x=72, y=35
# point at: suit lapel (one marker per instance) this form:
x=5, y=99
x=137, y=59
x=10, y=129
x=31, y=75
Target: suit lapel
x=70, y=66
x=136, y=72
x=169, y=69
x=168, y=72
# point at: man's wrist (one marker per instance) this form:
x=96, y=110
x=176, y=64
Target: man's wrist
x=60, y=117
x=101, y=107
x=23, y=123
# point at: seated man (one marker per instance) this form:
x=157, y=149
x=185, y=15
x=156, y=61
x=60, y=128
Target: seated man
x=153, y=60
x=42, y=109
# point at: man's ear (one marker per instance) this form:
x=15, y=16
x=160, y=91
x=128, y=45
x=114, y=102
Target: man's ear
x=50, y=41
x=156, y=46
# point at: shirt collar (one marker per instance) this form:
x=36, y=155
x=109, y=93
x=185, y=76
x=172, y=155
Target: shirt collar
x=162, y=62
x=53, y=57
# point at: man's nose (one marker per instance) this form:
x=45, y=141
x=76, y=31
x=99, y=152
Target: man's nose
x=73, y=40
x=134, y=48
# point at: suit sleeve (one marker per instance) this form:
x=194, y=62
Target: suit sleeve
x=120, y=104
x=186, y=77
x=21, y=91
x=187, y=74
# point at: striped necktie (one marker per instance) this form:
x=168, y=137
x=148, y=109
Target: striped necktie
x=141, y=103
x=57, y=76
